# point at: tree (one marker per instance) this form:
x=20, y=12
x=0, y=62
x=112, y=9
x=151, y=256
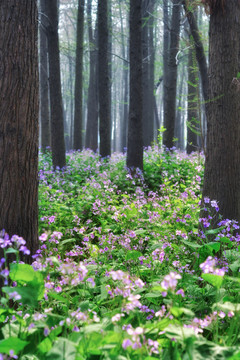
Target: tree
x=78, y=110
x=192, y=115
x=103, y=79
x=92, y=102
x=19, y=120
x=170, y=85
x=135, y=135
x=222, y=170
x=57, y=119
x=43, y=75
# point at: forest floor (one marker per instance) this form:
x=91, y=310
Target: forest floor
x=126, y=269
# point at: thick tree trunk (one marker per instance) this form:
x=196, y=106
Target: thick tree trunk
x=135, y=136
x=170, y=85
x=222, y=170
x=43, y=74
x=57, y=120
x=78, y=109
x=103, y=79
x=19, y=90
x=91, y=140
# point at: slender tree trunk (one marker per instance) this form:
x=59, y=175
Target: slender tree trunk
x=171, y=81
x=43, y=74
x=19, y=90
x=92, y=102
x=222, y=170
x=57, y=120
x=103, y=79
x=78, y=109
x=192, y=115
x=135, y=136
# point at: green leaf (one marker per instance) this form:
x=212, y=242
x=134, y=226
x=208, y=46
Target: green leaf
x=62, y=349
x=227, y=306
x=12, y=343
x=215, y=280
x=45, y=345
x=133, y=255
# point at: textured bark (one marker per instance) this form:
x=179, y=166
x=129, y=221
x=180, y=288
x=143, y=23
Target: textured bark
x=192, y=115
x=135, y=136
x=103, y=79
x=170, y=85
x=43, y=74
x=222, y=170
x=92, y=102
x=19, y=90
x=78, y=109
x=57, y=119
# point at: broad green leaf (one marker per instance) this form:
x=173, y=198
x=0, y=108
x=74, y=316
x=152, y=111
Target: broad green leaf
x=215, y=280
x=12, y=343
x=227, y=306
x=45, y=345
x=62, y=349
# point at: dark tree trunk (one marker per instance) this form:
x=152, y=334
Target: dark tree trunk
x=78, y=109
x=192, y=115
x=148, y=72
x=222, y=170
x=170, y=85
x=103, y=79
x=43, y=74
x=135, y=136
x=92, y=102
x=57, y=119
x=19, y=90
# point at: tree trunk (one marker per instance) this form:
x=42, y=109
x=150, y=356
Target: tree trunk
x=192, y=115
x=78, y=109
x=43, y=74
x=171, y=81
x=19, y=90
x=57, y=120
x=222, y=170
x=91, y=141
x=135, y=136
x=103, y=79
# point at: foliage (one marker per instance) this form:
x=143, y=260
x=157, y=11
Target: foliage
x=125, y=269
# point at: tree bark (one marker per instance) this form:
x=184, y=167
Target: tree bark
x=222, y=170
x=19, y=90
x=103, y=79
x=170, y=85
x=43, y=75
x=78, y=109
x=135, y=136
x=57, y=119
x=91, y=139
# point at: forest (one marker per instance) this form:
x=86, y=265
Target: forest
x=119, y=179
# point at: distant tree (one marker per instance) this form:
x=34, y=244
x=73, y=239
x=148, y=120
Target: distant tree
x=192, y=111
x=222, y=170
x=170, y=85
x=103, y=79
x=43, y=75
x=57, y=118
x=19, y=90
x=135, y=135
x=91, y=139
x=78, y=109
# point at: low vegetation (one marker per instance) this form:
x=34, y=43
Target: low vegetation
x=126, y=269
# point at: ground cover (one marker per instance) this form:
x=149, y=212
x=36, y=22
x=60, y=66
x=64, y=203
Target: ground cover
x=125, y=269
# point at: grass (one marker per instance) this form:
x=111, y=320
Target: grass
x=125, y=269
